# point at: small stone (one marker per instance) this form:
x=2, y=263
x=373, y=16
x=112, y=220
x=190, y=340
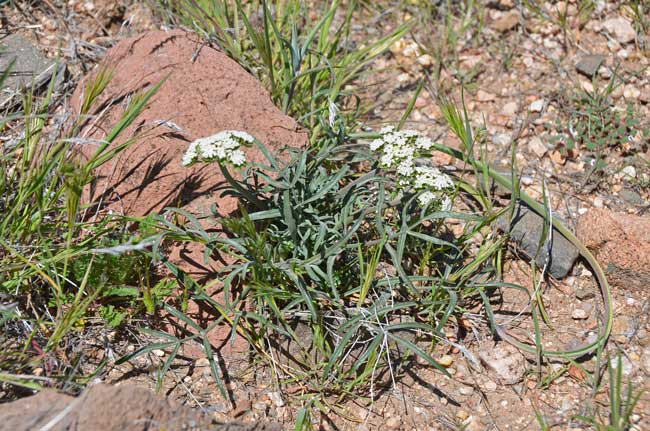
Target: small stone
x=259, y=406
x=537, y=147
x=501, y=139
x=621, y=29
x=631, y=92
x=526, y=180
x=202, y=362
x=627, y=367
x=585, y=294
x=631, y=197
x=505, y=362
x=536, y=106
x=510, y=109
x=588, y=65
x=276, y=398
x=489, y=385
x=466, y=390
x=598, y=202
x=425, y=60
x=628, y=172
x=623, y=54
x=507, y=22
x=158, y=352
x=484, y=96
x=579, y=314
x=403, y=78
x=605, y=72
x=393, y=423
x=587, y=86
x=462, y=415
x=446, y=361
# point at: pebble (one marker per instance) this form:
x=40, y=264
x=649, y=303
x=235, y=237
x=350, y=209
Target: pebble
x=505, y=362
x=446, y=361
x=509, y=109
x=425, y=60
x=466, y=390
x=585, y=294
x=484, y=96
x=462, y=415
x=403, y=78
x=501, y=139
x=536, y=106
x=490, y=386
x=276, y=397
x=506, y=22
x=588, y=65
x=627, y=365
x=598, y=203
x=579, y=314
x=588, y=86
x=631, y=92
x=393, y=423
x=202, y=362
x=621, y=29
x=158, y=352
x=536, y=146
x=259, y=406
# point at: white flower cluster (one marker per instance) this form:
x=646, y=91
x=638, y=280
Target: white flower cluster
x=222, y=147
x=399, y=149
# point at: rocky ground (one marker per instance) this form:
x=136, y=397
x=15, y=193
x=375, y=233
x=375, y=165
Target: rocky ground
x=529, y=81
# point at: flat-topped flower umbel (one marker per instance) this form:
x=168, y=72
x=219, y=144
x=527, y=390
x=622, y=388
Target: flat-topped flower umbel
x=399, y=150
x=222, y=147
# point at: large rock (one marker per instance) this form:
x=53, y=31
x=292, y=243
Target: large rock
x=30, y=69
x=526, y=229
x=621, y=243
x=206, y=92
x=109, y=408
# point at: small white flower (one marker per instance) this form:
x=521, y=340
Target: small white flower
x=237, y=158
x=428, y=177
x=426, y=198
x=376, y=144
x=405, y=168
x=222, y=147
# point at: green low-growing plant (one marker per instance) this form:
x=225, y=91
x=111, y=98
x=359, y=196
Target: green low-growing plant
x=590, y=123
x=344, y=268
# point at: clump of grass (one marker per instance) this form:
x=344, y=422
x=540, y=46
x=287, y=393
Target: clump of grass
x=623, y=400
x=454, y=25
x=52, y=266
x=307, y=58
